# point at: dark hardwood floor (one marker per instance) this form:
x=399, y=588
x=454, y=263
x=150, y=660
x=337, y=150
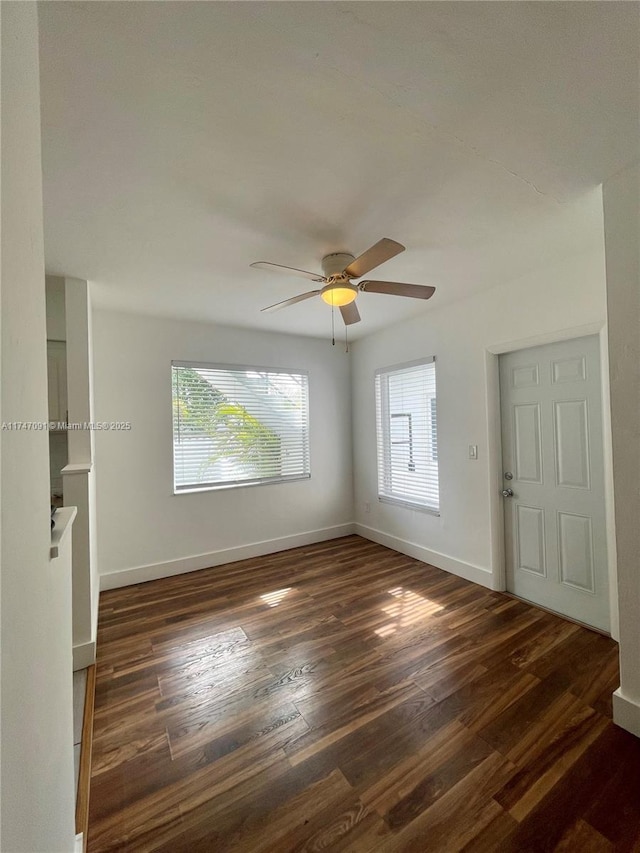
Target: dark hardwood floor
x=346, y=697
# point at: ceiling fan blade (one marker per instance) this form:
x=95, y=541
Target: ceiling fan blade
x=397, y=288
x=350, y=313
x=382, y=251
x=291, y=301
x=266, y=265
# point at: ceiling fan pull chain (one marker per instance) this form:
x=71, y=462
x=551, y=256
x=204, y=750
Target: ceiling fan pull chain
x=333, y=333
x=346, y=338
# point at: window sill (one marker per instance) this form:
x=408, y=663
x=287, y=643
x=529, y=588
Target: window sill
x=223, y=487
x=429, y=510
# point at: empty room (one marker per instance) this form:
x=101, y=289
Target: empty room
x=320, y=426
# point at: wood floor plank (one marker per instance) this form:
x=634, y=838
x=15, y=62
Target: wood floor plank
x=465, y=754
x=551, y=762
x=584, y=838
x=158, y=811
x=384, y=791
x=345, y=697
x=338, y=727
x=457, y=816
x=615, y=814
x=480, y=700
x=247, y=818
x=297, y=819
x=570, y=798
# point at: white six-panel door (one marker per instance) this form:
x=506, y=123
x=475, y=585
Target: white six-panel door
x=552, y=455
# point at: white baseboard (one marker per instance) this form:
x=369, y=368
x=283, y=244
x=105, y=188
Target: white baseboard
x=141, y=574
x=84, y=655
x=469, y=572
x=626, y=712
x=79, y=846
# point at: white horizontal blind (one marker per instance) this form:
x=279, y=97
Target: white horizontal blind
x=407, y=437
x=235, y=425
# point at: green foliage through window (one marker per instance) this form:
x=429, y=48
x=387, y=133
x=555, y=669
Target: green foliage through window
x=234, y=425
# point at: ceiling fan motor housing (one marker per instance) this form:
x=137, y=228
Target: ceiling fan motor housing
x=335, y=263
x=338, y=290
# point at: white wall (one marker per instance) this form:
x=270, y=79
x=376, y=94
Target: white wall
x=56, y=331
x=79, y=474
x=540, y=304
x=622, y=226
x=37, y=798
x=57, y=459
x=142, y=523
x=56, y=324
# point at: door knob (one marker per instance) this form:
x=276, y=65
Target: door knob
x=507, y=493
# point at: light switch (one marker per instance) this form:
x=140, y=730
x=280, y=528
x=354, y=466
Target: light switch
x=473, y=451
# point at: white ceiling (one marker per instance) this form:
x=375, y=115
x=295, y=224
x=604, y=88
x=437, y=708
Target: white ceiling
x=181, y=141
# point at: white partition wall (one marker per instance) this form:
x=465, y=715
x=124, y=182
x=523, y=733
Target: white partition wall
x=37, y=786
x=622, y=226
x=79, y=475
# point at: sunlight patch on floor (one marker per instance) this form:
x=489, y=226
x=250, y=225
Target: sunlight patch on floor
x=274, y=598
x=407, y=609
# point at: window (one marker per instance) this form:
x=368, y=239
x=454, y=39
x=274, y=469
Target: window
x=238, y=426
x=407, y=435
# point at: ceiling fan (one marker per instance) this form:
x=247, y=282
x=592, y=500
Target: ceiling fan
x=339, y=269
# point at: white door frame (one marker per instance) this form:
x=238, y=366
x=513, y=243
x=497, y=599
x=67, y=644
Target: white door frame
x=496, y=541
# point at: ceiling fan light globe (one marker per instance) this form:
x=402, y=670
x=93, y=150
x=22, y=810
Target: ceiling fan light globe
x=339, y=295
